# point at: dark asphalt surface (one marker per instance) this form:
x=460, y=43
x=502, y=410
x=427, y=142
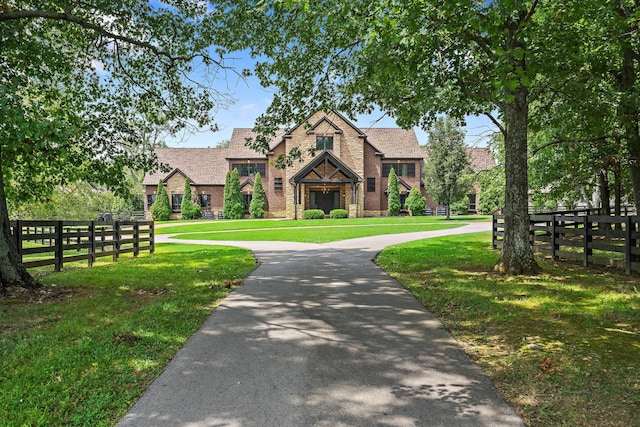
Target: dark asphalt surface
x=320, y=336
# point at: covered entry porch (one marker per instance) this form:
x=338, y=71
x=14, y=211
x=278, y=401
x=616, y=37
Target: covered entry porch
x=326, y=183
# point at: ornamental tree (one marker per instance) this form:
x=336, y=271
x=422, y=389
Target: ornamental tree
x=446, y=172
x=82, y=83
x=393, y=194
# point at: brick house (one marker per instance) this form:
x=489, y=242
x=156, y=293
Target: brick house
x=349, y=170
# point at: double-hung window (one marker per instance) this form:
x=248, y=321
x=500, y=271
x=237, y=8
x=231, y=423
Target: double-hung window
x=176, y=201
x=324, y=143
x=401, y=169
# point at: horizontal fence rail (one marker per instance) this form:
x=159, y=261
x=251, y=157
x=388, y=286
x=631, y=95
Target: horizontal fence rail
x=590, y=239
x=42, y=243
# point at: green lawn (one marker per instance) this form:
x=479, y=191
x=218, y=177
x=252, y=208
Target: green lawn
x=99, y=336
x=310, y=231
x=563, y=347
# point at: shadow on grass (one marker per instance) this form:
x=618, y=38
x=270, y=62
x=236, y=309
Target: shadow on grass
x=554, y=343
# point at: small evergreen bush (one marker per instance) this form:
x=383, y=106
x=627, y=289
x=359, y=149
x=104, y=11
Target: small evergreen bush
x=161, y=208
x=415, y=202
x=188, y=208
x=338, y=213
x=461, y=207
x=233, y=207
x=393, y=194
x=314, y=214
x=256, y=208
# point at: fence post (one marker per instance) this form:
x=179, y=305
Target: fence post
x=152, y=239
x=587, y=238
x=494, y=228
x=628, y=243
x=136, y=239
x=116, y=240
x=17, y=233
x=59, y=247
x=92, y=243
x=554, y=238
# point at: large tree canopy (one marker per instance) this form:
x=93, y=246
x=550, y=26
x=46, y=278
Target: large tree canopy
x=415, y=60
x=83, y=83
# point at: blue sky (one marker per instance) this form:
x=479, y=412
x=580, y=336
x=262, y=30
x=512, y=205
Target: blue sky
x=251, y=100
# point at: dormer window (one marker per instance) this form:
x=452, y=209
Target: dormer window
x=324, y=143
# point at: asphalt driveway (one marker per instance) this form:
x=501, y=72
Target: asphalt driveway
x=320, y=336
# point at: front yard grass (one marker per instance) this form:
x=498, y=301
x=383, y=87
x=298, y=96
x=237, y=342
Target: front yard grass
x=310, y=231
x=87, y=350
x=563, y=347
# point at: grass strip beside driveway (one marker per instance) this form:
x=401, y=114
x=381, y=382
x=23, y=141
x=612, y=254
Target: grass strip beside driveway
x=563, y=347
x=316, y=234
x=92, y=345
x=199, y=226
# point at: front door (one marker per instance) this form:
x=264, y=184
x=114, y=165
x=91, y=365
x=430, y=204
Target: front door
x=326, y=201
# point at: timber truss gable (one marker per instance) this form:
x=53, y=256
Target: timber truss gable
x=326, y=168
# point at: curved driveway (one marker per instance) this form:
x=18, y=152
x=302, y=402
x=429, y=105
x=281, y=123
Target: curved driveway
x=321, y=336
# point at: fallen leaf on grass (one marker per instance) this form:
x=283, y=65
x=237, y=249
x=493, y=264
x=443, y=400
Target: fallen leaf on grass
x=547, y=366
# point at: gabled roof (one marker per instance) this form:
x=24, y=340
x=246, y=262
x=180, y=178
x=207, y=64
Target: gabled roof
x=289, y=132
x=175, y=171
x=237, y=145
x=332, y=125
x=319, y=163
x=400, y=182
x=481, y=158
x=395, y=143
x=203, y=166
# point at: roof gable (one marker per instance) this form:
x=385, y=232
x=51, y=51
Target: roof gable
x=395, y=143
x=174, y=172
x=203, y=166
x=312, y=129
x=326, y=168
x=325, y=119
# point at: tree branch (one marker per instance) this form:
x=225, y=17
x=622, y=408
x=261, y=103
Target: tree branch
x=558, y=141
x=68, y=17
x=497, y=123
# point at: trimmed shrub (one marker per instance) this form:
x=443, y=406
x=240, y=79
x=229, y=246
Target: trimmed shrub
x=233, y=207
x=338, y=213
x=256, y=208
x=415, y=202
x=314, y=214
x=161, y=208
x=461, y=207
x=393, y=194
x=188, y=208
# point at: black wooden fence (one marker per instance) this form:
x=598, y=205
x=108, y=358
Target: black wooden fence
x=590, y=239
x=55, y=243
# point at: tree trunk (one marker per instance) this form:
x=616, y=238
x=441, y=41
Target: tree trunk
x=12, y=272
x=605, y=194
x=516, y=256
x=628, y=113
x=617, y=192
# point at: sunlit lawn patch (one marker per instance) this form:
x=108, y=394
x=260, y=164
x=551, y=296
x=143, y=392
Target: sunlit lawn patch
x=311, y=231
x=563, y=347
x=86, y=352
